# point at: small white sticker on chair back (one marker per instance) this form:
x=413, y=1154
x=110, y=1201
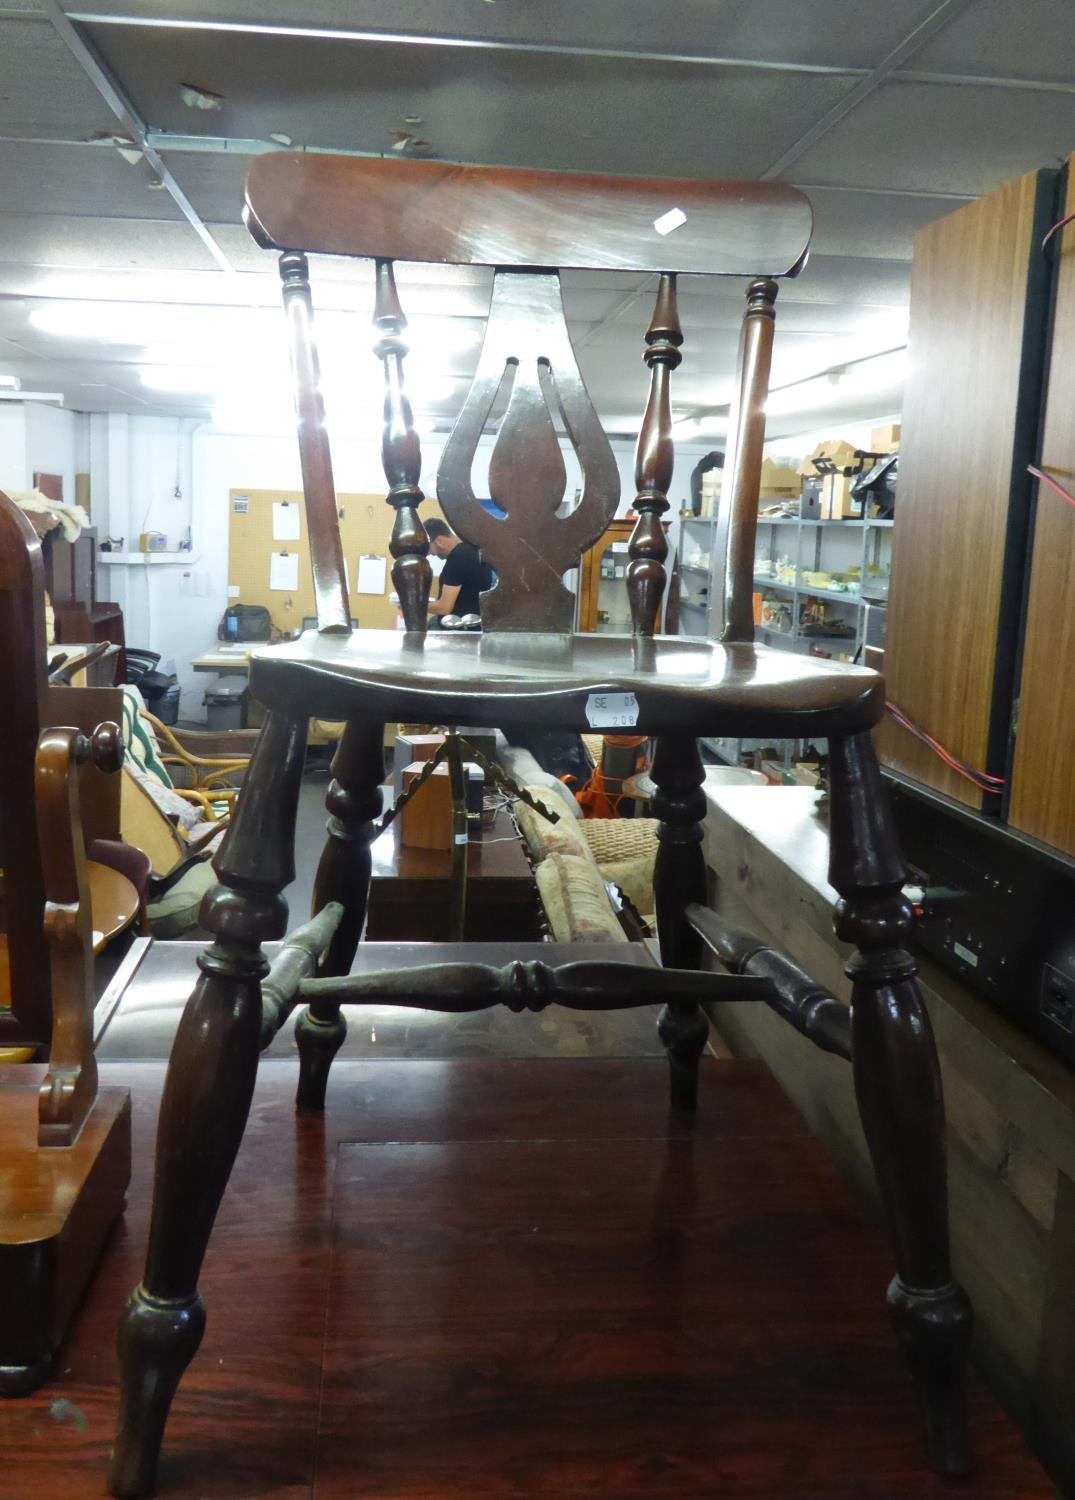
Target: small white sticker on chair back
x=669, y=221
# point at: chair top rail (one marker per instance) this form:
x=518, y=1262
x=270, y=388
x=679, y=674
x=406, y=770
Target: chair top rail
x=440, y=212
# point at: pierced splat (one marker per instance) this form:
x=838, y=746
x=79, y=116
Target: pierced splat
x=531, y=547
x=654, y=460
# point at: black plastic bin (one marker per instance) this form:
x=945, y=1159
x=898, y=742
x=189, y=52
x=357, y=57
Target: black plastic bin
x=225, y=703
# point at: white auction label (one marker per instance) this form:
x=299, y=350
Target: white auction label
x=612, y=710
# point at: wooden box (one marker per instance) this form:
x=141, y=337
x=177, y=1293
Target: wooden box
x=426, y=821
x=412, y=748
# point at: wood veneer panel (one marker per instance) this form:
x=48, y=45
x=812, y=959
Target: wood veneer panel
x=1043, y=778
x=970, y=409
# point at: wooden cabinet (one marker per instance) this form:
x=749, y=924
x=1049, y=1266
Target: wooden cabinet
x=603, y=602
x=71, y=574
x=979, y=316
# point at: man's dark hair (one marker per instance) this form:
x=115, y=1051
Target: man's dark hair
x=436, y=528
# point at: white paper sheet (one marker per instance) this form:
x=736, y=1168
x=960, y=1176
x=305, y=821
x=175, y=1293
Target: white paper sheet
x=372, y=575
x=285, y=522
x=284, y=571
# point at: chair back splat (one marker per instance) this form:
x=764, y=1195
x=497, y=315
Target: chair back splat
x=527, y=343
x=529, y=226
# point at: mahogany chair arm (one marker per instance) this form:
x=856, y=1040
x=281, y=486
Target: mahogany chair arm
x=69, y=1088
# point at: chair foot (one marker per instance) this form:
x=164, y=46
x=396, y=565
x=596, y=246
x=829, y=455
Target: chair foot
x=157, y=1341
x=684, y=1030
x=318, y=1040
x=934, y=1328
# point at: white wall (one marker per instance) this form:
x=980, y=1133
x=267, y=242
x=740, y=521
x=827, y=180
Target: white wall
x=51, y=439
x=13, y=471
x=35, y=438
x=176, y=609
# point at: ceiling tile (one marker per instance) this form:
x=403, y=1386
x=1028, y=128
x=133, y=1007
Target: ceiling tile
x=823, y=32
x=511, y=109
x=873, y=225
x=941, y=138
x=1033, y=39
x=78, y=180
x=44, y=94
x=100, y=244
x=213, y=181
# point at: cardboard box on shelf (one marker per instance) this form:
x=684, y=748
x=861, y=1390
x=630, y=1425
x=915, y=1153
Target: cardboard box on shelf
x=885, y=439
x=837, y=503
x=835, y=450
x=778, y=482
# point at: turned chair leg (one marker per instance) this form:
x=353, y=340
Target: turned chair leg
x=206, y=1100
x=898, y=1087
x=343, y=875
x=678, y=880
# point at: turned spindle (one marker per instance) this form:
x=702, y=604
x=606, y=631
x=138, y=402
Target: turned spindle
x=326, y=549
x=654, y=460
x=401, y=454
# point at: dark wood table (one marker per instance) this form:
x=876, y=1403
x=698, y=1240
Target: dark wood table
x=517, y=1278
x=409, y=889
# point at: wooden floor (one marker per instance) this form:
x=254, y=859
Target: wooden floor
x=512, y=1278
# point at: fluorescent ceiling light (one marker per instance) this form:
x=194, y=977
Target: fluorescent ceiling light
x=54, y=396
x=882, y=372
x=185, y=324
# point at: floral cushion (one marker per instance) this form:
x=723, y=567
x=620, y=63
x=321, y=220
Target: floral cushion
x=576, y=902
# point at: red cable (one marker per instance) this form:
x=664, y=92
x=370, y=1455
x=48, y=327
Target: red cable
x=981, y=779
x=1054, y=484
x=1060, y=224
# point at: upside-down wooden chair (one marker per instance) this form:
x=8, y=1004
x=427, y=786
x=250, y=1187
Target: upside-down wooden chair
x=528, y=666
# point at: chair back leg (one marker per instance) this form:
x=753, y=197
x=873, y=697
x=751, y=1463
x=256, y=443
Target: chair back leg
x=343, y=875
x=898, y=1087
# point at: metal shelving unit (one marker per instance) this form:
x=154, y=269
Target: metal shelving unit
x=802, y=533
x=791, y=534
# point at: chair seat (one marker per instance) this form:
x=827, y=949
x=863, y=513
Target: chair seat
x=495, y=679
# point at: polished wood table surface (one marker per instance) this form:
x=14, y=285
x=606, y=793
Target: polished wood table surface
x=409, y=888
x=223, y=659
x=516, y=1278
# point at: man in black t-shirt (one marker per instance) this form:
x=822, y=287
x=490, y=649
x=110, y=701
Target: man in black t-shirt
x=464, y=576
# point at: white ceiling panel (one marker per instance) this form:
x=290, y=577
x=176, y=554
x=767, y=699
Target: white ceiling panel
x=213, y=181
x=84, y=181
x=1028, y=39
x=834, y=33
x=874, y=225
x=43, y=91
x=53, y=240
x=942, y=139
x=509, y=109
